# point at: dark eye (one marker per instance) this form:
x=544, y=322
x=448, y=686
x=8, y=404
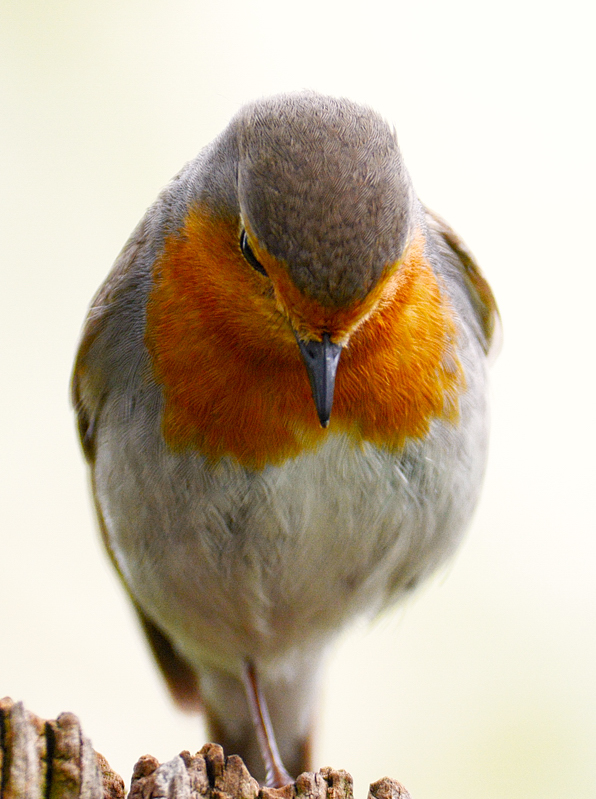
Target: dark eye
x=249, y=254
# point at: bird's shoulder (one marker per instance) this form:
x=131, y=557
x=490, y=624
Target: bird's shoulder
x=453, y=251
x=111, y=329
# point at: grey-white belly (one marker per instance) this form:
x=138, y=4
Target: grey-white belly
x=232, y=563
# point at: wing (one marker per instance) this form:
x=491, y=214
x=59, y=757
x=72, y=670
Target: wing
x=178, y=674
x=477, y=287
x=90, y=386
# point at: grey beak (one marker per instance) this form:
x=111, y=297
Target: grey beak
x=321, y=359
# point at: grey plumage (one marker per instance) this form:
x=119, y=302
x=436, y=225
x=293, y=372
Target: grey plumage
x=225, y=562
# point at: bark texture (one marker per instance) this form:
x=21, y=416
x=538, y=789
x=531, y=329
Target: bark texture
x=53, y=760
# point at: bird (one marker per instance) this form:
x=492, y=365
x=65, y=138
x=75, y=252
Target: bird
x=281, y=393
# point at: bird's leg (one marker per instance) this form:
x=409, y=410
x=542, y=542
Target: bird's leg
x=277, y=776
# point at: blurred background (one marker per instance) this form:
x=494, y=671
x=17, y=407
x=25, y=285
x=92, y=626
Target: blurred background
x=483, y=686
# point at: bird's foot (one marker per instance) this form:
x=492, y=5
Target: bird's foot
x=277, y=776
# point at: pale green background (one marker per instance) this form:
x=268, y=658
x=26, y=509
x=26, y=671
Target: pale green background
x=483, y=687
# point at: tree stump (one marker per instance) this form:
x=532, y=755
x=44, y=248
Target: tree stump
x=53, y=760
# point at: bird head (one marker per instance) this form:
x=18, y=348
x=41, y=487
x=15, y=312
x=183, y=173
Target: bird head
x=324, y=208
x=292, y=226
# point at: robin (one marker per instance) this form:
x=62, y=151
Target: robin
x=281, y=394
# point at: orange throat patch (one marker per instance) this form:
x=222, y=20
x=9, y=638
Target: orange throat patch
x=233, y=380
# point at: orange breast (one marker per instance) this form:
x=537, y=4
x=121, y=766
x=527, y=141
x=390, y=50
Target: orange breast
x=233, y=379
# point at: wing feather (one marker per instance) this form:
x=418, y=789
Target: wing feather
x=476, y=285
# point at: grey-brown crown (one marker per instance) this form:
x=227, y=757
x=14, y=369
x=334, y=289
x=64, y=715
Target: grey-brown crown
x=322, y=185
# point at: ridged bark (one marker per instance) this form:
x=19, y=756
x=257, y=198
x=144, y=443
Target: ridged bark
x=54, y=760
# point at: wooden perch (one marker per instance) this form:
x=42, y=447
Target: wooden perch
x=53, y=760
